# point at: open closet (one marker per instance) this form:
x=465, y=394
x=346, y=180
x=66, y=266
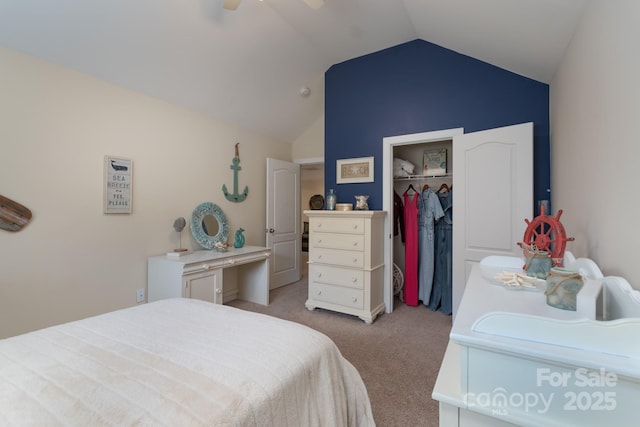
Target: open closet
x=491, y=172
x=423, y=191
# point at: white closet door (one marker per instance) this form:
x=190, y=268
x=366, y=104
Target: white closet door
x=493, y=194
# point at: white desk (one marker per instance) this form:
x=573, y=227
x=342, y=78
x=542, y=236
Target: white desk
x=213, y=276
x=513, y=360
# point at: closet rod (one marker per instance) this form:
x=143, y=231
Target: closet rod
x=421, y=177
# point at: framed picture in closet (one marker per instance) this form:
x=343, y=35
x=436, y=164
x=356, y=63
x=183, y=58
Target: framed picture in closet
x=434, y=162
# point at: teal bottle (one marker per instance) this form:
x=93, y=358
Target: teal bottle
x=331, y=200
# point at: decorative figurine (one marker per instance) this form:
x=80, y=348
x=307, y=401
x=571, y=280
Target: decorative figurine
x=178, y=225
x=361, y=203
x=546, y=233
x=220, y=246
x=239, y=238
x=235, y=165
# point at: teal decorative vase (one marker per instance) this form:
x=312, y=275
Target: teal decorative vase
x=239, y=238
x=331, y=200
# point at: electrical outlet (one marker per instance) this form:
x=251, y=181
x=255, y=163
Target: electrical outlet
x=140, y=295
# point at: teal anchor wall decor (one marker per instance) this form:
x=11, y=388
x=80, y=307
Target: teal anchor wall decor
x=235, y=165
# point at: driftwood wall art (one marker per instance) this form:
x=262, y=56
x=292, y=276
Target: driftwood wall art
x=13, y=216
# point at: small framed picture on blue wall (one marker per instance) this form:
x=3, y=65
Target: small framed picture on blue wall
x=354, y=170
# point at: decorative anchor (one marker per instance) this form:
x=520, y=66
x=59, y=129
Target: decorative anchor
x=235, y=165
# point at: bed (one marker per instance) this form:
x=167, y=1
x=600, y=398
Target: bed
x=179, y=362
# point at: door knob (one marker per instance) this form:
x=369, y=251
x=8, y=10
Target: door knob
x=271, y=230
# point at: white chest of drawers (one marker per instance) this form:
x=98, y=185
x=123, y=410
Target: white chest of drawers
x=346, y=262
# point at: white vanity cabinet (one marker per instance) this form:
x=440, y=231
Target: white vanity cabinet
x=206, y=285
x=513, y=360
x=212, y=276
x=346, y=264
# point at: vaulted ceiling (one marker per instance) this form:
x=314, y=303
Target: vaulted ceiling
x=248, y=66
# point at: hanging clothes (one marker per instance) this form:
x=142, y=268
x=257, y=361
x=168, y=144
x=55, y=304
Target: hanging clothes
x=443, y=247
x=398, y=216
x=430, y=211
x=411, y=248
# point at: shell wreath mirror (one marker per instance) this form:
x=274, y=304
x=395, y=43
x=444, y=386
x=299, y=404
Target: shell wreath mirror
x=235, y=166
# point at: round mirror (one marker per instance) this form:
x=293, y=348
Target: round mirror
x=209, y=225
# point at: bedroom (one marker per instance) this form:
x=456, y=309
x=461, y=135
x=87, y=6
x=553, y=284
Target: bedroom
x=57, y=124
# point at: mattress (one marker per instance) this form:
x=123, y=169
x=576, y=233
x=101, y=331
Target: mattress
x=179, y=362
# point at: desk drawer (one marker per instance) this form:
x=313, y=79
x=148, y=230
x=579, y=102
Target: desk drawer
x=337, y=225
x=350, y=242
x=336, y=295
x=337, y=257
x=336, y=276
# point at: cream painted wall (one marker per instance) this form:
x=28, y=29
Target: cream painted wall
x=310, y=145
x=595, y=137
x=72, y=260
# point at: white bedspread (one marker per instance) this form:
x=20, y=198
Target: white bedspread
x=179, y=362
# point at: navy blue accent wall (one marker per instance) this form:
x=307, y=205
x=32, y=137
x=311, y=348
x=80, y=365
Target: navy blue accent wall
x=421, y=87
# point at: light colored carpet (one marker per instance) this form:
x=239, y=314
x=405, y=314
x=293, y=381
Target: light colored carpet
x=398, y=356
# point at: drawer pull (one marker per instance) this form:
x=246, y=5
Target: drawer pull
x=354, y=299
x=354, y=279
x=319, y=275
x=218, y=291
x=206, y=266
x=232, y=261
x=355, y=260
x=319, y=293
x=319, y=241
x=355, y=243
x=319, y=256
x=319, y=224
x=355, y=226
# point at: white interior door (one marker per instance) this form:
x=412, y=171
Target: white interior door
x=493, y=194
x=283, y=221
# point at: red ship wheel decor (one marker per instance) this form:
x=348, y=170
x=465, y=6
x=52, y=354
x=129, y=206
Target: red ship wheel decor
x=546, y=233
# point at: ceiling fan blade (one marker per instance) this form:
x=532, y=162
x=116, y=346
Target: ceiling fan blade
x=231, y=4
x=314, y=4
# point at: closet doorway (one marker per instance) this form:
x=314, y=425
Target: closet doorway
x=495, y=165
x=410, y=144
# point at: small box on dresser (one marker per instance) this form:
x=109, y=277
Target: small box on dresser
x=346, y=262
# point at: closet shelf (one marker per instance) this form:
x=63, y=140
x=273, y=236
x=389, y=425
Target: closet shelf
x=421, y=177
